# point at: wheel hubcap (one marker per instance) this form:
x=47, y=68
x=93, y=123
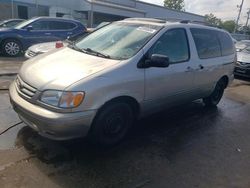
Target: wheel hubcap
x=114, y=124
x=12, y=48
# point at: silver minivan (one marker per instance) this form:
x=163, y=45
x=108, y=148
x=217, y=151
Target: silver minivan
x=124, y=71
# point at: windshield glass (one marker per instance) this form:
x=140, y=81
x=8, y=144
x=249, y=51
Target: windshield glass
x=23, y=24
x=119, y=40
x=240, y=46
x=247, y=49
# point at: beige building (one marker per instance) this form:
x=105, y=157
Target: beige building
x=91, y=12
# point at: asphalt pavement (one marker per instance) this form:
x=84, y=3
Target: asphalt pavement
x=187, y=146
x=10, y=66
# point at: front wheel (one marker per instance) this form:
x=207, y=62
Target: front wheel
x=111, y=124
x=12, y=47
x=217, y=94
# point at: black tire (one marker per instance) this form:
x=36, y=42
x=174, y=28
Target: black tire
x=214, y=99
x=12, y=47
x=111, y=124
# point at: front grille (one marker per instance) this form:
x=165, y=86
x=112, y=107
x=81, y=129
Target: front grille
x=25, y=89
x=31, y=53
x=243, y=64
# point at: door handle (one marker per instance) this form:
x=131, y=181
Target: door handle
x=69, y=33
x=47, y=33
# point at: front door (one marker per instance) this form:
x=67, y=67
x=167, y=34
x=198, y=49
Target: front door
x=173, y=84
x=60, y=30
x=40, y=33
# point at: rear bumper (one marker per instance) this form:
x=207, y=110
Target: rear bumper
x=53, y=125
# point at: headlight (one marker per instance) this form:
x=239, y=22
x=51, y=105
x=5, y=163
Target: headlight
x=66, y=99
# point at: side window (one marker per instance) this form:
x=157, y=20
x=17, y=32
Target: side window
x=207, y=43
x=174, y=44
x=70, y=25
x=60, y=25
x=40, y=25
x=227, y=44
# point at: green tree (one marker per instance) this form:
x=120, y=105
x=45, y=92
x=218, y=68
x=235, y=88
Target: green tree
x=213, y=20
x=175, y=4
x=229, y=25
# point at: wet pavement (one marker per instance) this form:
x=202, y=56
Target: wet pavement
x=10, y=66
x=187, y=146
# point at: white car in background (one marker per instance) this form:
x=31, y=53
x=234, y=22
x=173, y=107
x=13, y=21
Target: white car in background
x=242, y=68
x=43, y=48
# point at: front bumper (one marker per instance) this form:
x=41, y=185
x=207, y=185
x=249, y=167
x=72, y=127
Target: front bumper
x=53, y=125
x=242, y=71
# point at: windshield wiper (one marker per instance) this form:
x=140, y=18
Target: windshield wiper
x=73, y=46
x=89, y=50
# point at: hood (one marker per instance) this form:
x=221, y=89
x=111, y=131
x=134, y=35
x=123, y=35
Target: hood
x=44, y=47
x=243, y=57
x=60, y=69
x=5, y=30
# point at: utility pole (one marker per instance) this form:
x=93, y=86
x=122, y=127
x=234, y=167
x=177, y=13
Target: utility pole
x=37, y=12
x=238, y=18
x=12, y=9
x=248, y=16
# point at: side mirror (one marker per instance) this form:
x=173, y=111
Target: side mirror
x=29, y=28
x=157, y=60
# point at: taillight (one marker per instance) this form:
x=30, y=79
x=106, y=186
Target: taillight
x=59, y=44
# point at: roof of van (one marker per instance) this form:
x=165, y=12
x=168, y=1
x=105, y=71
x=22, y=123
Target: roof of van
x=160, y=22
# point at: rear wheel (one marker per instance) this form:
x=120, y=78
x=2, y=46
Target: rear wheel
x=12, y=47
x=112, y=124
x=217, y=94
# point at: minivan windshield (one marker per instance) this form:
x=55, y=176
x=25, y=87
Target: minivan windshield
x=242, y=46
x=119, y=40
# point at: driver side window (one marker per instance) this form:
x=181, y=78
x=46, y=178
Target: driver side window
x=174, y=44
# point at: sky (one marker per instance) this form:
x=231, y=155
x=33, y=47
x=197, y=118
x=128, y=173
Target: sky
x=224, y=9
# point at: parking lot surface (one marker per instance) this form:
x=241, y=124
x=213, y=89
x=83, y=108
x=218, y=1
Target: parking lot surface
x=188, y=146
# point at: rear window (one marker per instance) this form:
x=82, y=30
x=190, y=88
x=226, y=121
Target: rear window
x=207, y=43
x=211, y=43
